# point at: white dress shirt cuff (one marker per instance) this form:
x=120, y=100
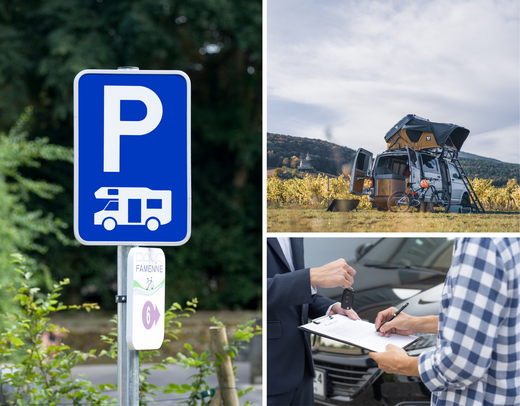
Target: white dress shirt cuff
x=330, y=308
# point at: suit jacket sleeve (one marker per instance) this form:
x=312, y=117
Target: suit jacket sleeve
x=286, y=288
x=289, y=303
x=289, y=289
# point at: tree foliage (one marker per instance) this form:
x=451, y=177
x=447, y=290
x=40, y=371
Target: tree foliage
x=278, y=172
x=326, y=156
x=42, y=372
x=334, y=159
x=21, y=226
x=43, y=45
x=499, y=172
x=37, y=370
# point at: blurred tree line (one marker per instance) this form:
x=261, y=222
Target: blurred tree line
x=499, y=172
x=218, y=43
x=286, y=150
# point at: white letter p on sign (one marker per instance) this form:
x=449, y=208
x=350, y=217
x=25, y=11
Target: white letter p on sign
x=114, y=128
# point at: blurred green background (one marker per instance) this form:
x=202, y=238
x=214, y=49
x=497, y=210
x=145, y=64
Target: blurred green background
x=218, y=43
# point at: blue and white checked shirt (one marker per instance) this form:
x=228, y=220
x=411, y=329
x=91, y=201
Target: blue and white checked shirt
x=477, y=358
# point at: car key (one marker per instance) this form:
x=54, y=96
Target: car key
x=347, y=299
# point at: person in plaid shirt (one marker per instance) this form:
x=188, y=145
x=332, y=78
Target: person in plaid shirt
x=477, y=357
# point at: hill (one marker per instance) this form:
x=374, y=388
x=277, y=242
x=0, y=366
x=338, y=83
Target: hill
x=326, y=156
x=463, y=154
x=330, y=158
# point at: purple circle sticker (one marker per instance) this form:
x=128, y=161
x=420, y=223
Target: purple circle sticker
x=150, y=315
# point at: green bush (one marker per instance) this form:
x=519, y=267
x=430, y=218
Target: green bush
x=20, y=226
x=197, y=392
x=35, y=373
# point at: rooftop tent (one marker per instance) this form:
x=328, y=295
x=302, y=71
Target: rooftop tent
x=420, y=133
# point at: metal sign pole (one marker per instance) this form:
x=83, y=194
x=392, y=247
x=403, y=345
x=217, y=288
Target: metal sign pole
x=127, y=360
x=104, y=171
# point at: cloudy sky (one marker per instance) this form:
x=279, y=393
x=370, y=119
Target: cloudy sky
x=348, y=70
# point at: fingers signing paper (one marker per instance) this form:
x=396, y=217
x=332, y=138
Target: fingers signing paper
x=403, y=324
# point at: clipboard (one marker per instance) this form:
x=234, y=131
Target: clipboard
x=357, y=333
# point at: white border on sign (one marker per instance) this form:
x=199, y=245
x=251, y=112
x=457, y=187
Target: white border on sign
x=76, y=155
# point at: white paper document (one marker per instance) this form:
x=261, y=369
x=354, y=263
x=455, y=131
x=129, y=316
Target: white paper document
x=355, y=332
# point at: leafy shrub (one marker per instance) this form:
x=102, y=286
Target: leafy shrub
x=35, y=373
x=39, y=374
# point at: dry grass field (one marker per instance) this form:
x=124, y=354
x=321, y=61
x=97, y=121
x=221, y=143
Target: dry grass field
x=296, y=219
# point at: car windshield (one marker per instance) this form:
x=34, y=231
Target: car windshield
x=113, y=205
x=390, y=265
x=433, y=253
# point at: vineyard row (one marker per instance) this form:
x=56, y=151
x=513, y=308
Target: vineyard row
x=317, y=191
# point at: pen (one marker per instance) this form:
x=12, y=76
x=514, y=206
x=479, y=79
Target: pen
x=393, y=316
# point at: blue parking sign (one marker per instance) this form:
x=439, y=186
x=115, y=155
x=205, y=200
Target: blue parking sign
x=132, y=169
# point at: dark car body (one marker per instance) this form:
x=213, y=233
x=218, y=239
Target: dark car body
x=388, y=273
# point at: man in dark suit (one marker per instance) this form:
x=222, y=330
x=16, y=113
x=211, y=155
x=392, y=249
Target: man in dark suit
x=291, y=301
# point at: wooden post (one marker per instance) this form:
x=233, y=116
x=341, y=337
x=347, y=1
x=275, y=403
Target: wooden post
x=216, y=400
x=226, y=378
x=328, y=189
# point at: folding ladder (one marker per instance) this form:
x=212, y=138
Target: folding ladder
x=472, y=195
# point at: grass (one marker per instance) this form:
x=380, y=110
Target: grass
x=321, y=221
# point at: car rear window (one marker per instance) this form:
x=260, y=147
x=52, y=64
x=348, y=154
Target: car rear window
x=391, y=165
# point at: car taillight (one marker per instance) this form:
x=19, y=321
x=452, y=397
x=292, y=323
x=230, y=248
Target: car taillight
x=371, y=182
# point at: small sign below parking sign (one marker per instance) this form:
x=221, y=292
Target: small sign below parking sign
x=146, y=303
x=132, y=174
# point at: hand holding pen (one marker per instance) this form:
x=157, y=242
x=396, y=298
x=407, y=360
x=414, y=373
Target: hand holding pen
x=402, y=326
